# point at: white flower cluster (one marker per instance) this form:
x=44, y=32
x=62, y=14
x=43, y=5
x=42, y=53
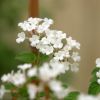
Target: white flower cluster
x=62, y=50
x=98, y=73
x=50, y=42
x=47, y=74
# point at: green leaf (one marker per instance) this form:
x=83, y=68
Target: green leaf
x=9, y=86
x=95, y=70
x=94, y=88
x=65, y=85
x=43, y=57
x=23, y=92
x=22, y=98
x=72, y=96
x=94, y=78
x=41, y=94
x=26, y=57
x=53, y=97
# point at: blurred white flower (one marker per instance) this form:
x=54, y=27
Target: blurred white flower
x=18, y=79
x=72, y=43
x=24, y=66
x=2, y=91
x=21, y=37
x=98, y=62
x=32, y=72
x=55, y=86
x=98, y=81
x=87, y=97
x=60, y=55
x=6, y=78
x=45, y=72
x=98, y=74
x=32, y=90
x=57, y=68
x=59, y=91
x=75, y=56
x=74, y=67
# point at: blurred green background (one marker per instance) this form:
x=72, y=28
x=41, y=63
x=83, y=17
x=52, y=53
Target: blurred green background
x=11, y=12
x=79, y=18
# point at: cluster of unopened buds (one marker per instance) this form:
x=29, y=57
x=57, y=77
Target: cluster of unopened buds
x=43, y=79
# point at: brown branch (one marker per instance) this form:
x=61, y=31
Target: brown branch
x=34, y=12
x=33, y=8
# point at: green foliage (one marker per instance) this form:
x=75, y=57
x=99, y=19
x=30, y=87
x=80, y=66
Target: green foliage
x=29, y=57
x=72, y=96
x=40, y=94
x=65, y=85
x=23, y=92
x=7, y=61
x=42, y=58
x=10, y=13
x=26, y=57
x=9, y=86
x=53, y=97
x=94, y=87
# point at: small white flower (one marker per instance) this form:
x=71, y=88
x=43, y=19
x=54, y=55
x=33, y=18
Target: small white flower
x=22, y=25
x=58, y=44
x=45, y=72
x=67, y=48
x=34, y=21
x=57, y=68
x=45, y=25
x=98, y=74
x=60, y=35
x=34, y=40
x=21, y=37
x=45, y=49
x=6, y=78
x=48, y=21
x=72, y=43
x=55, y=86
x=60, y=55
x=32, y=90
x=74, y=67
x=18, y=79
x=58, y=90
x=2, y=92
x=67, y=65
x=32, y=72
x=98, y=62
x=76, y=57
x=87, y=97
x=26, y=26
x=45, y=40
x=24, y=66
x=98, y=81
